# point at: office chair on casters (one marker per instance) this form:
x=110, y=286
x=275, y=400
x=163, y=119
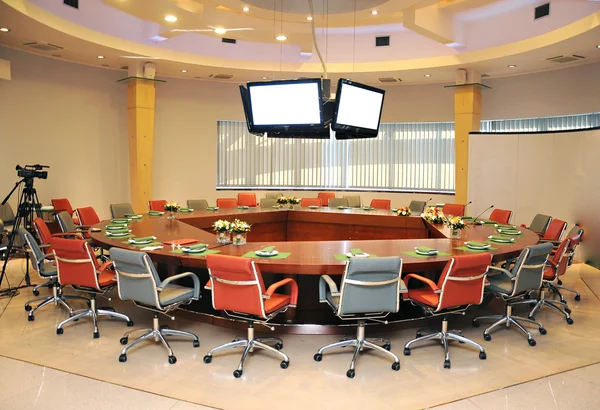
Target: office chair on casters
x=238, y=289
x=157, y=205
x=87, y=217
x=454, y=209
x=417, y=207
x=514, y=287
x=381, y=203
x=370, y=290
x=268, y=202
x=197, y=204
x=305, y=202
x=63, y=204
x=247, y=199
x=501, y=216
x=120, y=210
x=554, y=231
x=335, y=202
x=539, y=224
x=139, y=282
x=325, y=197
x=353, y=200
x=273, y=195
x=460, y=285
x=227, y=203
x=78, y=266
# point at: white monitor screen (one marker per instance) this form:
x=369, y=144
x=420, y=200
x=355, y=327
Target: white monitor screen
x=286, y=104
x=358, y=107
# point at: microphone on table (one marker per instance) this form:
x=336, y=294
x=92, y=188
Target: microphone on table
x=486, y=209
x=427, y=203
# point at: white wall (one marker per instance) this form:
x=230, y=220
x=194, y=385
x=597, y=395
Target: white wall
x=550, y=173
x=68, y=116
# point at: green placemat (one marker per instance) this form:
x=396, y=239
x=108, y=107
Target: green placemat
x=119, y=237
x=185, y=210
x=509, y=235
x=212, y=208
x=468, y=218
x=155, y=214
x=280, y=255
x=418, y=255
x=141, y=245
x=206, y=252
x=341, y=257
x=466, y=248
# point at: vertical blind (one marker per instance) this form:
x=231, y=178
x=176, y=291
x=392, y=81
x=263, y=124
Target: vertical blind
x=562, y=123
x=404, y=157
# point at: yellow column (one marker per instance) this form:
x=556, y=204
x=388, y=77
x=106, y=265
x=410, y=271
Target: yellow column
x=467, y=117
x=140, y=118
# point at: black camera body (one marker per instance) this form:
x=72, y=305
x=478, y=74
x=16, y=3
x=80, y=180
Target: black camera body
x=32, y=171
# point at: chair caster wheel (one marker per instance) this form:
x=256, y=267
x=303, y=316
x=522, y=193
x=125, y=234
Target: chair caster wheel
x=543, y=331
x=36, y=292
x=446, y=364
x=387, y=346
x=207, y=359
x=30, y=318
x=96, y=335
x=418, y=335
x=278, y=346
x=475, y=323
x=350, y=374
x=569, y=321
x=59, y=331
x=27, y=308
x=124, y=340
x=284, y=364
x=237, y=374
x=559, y=282
x=406, y=351
x=123, y=358
x=129, y=323
x=531, y=342
x=196, y=343
x=568, y=310
x=482, y=355
x=577, y=298
x=318, y=357
x=172, y=360
x=395, y=366
x=487, y=337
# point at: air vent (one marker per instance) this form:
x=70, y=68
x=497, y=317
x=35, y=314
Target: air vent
x=542, y=11
x=221, y=76
x=389, y=80
x=382, y=41
x=565, y=59
x=71, y=3
x=41, y=46
x=229, y=40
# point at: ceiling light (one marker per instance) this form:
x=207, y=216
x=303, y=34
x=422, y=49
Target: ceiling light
x=170, y=19
x=511, y=66
x=309, y=18
x=374, y=12
x=246, y=9
x=598, y=46
x=219, y=30
x=281, y=37
x=427, y=75
x=265, y=78
x=4, y=29
x=184, y=71
x=100, y=57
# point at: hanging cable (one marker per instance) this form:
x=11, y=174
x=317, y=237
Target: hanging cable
x=314, y=35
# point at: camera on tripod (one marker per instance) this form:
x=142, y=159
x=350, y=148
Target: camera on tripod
x=32, y=171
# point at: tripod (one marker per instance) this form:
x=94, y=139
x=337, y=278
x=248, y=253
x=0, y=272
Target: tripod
x=28, y=204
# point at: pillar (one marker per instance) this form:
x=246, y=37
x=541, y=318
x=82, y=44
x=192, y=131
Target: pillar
x=467, y=118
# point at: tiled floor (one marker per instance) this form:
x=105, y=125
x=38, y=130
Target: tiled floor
x=91, y=377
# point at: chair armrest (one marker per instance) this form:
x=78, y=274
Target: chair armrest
x=84, y=227
x=502, y=270
x=523, y=226
x=420, y=278
x=105, y=266
x=555, y=243
x=67, y=234
x=326, y=282
x=281, y=283
x=551, y=263
x=44, y=246
x=170, y=279
x=403, y=288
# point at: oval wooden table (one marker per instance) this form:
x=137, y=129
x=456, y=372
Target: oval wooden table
x=312, y=237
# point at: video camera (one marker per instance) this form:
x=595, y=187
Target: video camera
x=32, y=171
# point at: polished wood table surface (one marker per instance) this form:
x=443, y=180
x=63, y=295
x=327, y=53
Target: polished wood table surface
x=312, y=237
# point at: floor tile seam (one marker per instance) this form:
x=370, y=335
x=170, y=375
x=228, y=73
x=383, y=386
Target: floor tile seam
x=590, y=288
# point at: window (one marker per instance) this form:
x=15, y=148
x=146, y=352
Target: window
x=414, y=157
x=562, y=123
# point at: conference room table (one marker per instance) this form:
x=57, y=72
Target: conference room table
x=316, y=240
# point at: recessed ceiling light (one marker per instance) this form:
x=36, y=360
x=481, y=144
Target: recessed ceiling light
x=170, y=18
x=511, y=66
x=4, y=29
x=309, y=18
x=100, y=57
x=598, y=46
x=427, y=75
x=374, y=12
x=281, y=37
x=265, y=78
x=184, y=71
x=246, y=9
x=220, y=30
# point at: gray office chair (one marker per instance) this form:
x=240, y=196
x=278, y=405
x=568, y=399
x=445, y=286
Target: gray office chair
x=370, y=289
x=44, y=266
x=353, y=200
x=66, y=224
x=7, y=216
x=120, y=210
x=138, y=281
x=335, y=202
x=417, y=207
x=539, y=224
x=273, y=195
x=268, y=202
x=197, y=204
x=514, y=287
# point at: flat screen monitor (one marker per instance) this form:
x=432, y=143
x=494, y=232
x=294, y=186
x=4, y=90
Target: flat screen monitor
x=358, y=111
x=285, y=105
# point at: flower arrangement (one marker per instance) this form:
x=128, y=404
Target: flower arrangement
x=171, y=206
x=404, y=211
x=292, y=200
x=221, y=226
x=238, y=227
x=434, y=215
x=282, y=200
x=455, y=223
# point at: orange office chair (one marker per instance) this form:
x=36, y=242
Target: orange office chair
x=77, y=266
x=325, y=196
x=247, y=199
x=554, y=231
x=238, y=289
x=460, y=285
x=227, y=203
x=157, y=205
x=44, y=236
x=454, y=209
x=501, y=216
x=310, y=202
x=87, y=216
x=63, y=204
x=381, y=203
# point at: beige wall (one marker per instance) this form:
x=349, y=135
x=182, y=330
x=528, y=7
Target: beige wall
x=73, y=117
